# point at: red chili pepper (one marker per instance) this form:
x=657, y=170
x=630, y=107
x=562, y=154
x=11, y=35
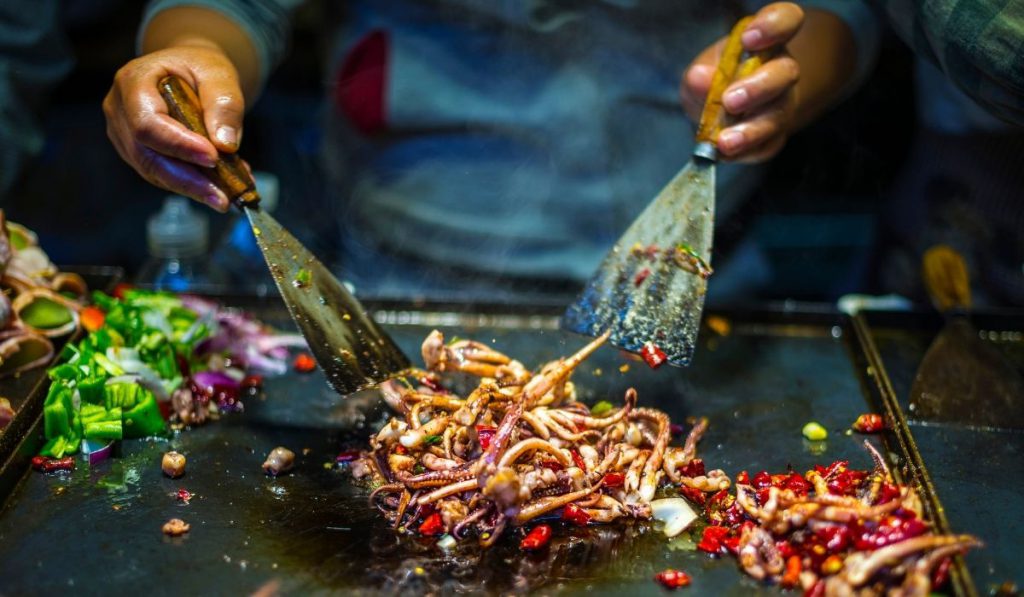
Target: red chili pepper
x=578, y=460
x=762, y=480
x=694, y=468
x=672, y=579
x=871, y=535
x=641, y=276
x=576, y=515
x=835, y=538
x=252, y=381
x=653, y=356
x=711, y=540
x=836, y=467
x=433, y=384
x=51, y=465
x=121, y=289
x=38, y=462
x=184, y=495
x=797, y=484
x=888, y=493
x=484, y=433
x=347, y=456
x=536, y=539
x=400, y=449
x=433, y=525
x=792, y=575
x=722, y=509
x=762, y=495
x=614, y=479
x=869, y=423
x=732, y=543
x=552, y=465
x=785, y=549
x=941, y=574
x=743, y=477
x=693, y=494
x=304, y=363
x=92, y=318
x=846, y=482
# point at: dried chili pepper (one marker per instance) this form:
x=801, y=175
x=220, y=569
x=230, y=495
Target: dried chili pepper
x=184, y=495
x=846, y=482
x=304, y=363
x=433, y=525
x=52, y=465
x=614, y=479
x=536, y=539
x=835, y=537
x=941, y=574
x=641, y=276
x=694, y=468
x=484, y=433
x=711, y=540
x=401, y=450
x=869, y=423
x=552, y=465
x=672, y=579
x=578, y=460
x=693, y=494
x=870, y=535
x=653, y=356
x=761, y=480
x=743, y=478
x=576, y=515
x=797, y=484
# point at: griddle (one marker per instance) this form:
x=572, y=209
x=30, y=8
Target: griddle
x=98, y=529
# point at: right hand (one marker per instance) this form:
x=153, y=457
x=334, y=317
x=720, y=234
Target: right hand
x=158, y=147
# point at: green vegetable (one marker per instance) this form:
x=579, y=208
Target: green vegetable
x=144, y=419
x=45, y=314
x=601, y=408
x=430, y=440
x=815, y=432
x=103, y=430
x=302, y=278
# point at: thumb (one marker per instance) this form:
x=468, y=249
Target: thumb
x=223, y=109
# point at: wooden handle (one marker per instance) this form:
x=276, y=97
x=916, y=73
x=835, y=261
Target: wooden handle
x=946, y=278
x=230, y=175
x=712, y=116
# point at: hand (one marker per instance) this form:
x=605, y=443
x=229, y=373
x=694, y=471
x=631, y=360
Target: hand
x=158, y=147
x=763, y=104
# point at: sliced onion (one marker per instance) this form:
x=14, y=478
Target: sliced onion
x=96, y=451
x=212, y=380
x=676, y=513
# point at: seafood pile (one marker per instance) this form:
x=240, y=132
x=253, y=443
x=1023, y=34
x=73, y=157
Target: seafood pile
x=519, y=446
x=37, y=302
x=832, y=531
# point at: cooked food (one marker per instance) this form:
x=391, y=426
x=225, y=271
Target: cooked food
x=37, y=302
x=518, y=447
x=832, y=531
x=6, y=412
x=173, y=464
x=280, y=460
x=176, y=527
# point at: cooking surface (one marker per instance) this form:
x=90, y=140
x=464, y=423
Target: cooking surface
x=99, y=529
x=977, y=473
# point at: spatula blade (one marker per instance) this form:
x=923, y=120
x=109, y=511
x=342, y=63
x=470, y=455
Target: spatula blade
x=352, y=350
x=641, y=292
x=965, y=381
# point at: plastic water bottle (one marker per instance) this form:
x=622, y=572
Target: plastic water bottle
x=238, y=255
x=178, y=238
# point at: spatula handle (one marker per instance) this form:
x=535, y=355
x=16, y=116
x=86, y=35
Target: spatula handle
x=729, y=69
x=946, y=279
x=230, y=175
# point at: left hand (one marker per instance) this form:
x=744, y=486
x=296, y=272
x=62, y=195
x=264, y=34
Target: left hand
x=762, y=104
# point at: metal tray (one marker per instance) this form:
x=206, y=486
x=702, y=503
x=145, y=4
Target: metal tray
x=977, y=473
x=98, y=529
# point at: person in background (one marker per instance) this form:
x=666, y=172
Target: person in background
x=961, y=184
x=475, y=146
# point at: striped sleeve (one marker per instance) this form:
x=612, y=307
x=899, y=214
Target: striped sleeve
x=978, y=44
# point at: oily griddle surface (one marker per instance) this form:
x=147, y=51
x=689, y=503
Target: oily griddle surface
x=98, y=529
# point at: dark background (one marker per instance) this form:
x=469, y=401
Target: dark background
x=818, y=217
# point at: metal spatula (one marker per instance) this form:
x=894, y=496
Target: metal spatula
x=650, y=288
x=962, y=379
x=349, y=346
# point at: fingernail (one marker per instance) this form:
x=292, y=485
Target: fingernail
x=227, y=135
x=751, y=37
x=217, y=199
x=730, y=140
x=736, y=99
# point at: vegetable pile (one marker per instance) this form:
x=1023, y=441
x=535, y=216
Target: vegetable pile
x=149, y=353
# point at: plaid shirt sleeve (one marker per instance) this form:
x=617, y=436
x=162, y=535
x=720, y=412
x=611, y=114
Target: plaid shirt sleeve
x=978, y=44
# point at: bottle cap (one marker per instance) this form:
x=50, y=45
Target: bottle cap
x=177, y=230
